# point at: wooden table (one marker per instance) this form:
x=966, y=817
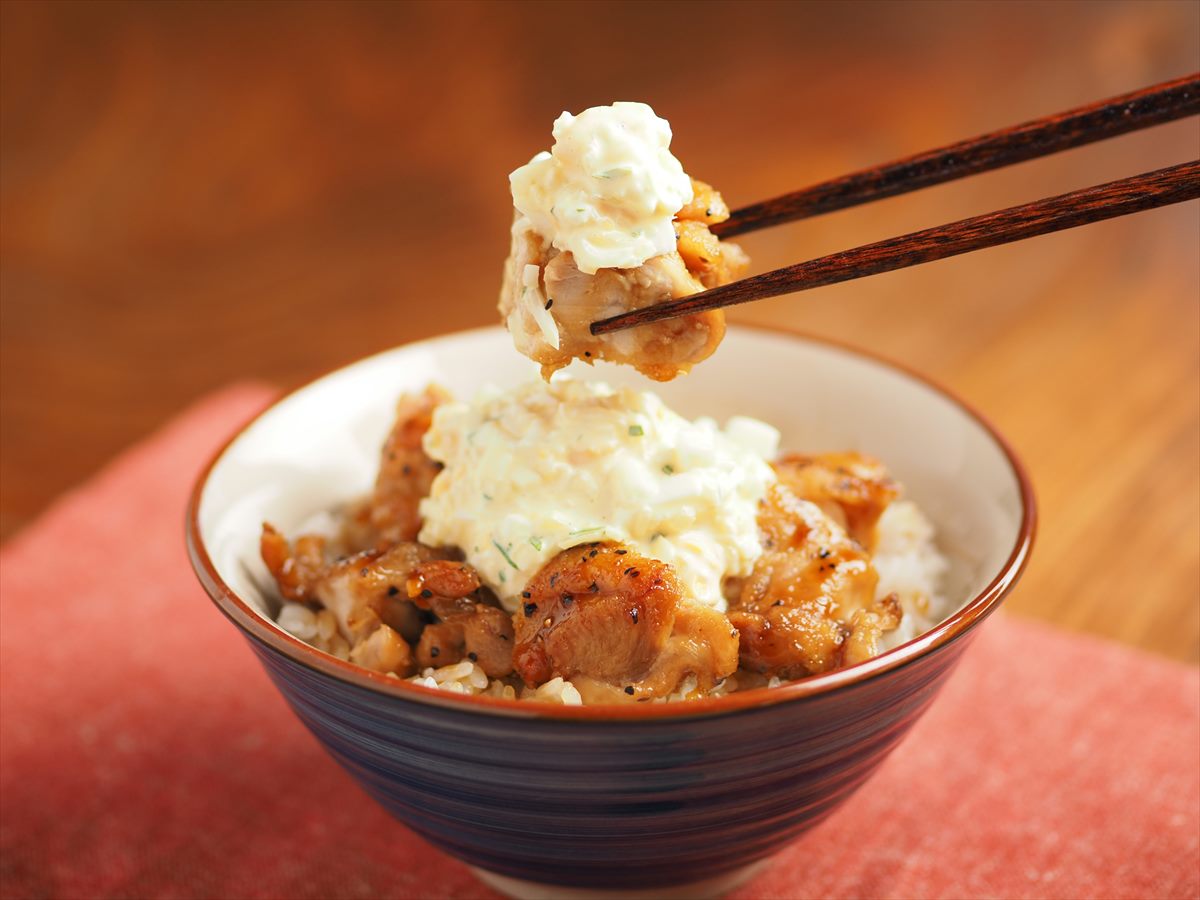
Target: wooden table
x=198, y=193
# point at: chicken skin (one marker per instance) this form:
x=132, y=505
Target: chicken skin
x=469, y=623
x=391, y=514
x=616, y=624
x=851, y=488
x=809, y=604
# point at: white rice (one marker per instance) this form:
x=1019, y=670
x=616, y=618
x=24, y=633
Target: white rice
x=318, y=628
x=909, y=564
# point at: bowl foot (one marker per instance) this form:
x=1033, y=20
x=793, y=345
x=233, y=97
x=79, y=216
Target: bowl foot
x=709, y=889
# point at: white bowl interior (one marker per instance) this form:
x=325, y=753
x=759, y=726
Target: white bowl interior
x=320, y=446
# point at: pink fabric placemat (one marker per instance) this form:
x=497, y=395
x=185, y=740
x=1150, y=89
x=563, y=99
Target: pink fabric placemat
x=143, y=753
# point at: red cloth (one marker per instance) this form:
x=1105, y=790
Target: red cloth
x=143, y=753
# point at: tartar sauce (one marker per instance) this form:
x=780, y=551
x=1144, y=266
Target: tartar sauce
x=608, y=189
x=545, y=467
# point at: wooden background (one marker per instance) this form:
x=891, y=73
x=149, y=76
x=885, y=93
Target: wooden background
x=196, y=193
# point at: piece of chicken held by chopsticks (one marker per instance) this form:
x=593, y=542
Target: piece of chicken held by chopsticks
x=549, y=304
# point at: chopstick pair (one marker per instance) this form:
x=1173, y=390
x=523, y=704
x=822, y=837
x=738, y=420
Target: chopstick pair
x=1154, y=105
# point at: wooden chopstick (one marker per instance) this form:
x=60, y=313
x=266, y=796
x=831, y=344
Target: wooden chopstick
x=1106, y=201
x=1154, y=105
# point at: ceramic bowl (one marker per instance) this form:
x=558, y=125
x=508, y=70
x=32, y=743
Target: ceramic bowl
x=683, y=799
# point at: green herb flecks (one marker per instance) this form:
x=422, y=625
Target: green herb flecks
x=504, y=553
x=668, y=469
x=536, y=543
x=636, y=431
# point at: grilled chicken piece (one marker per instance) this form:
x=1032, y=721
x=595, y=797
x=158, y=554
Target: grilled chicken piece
x=296, y=568
x=867, y=626
x=615, y=623
x=384, y=650
x=809, y=605
x=853, y=489
x=381, y=597
x=660, y=351
x=549, y=304
x=391, y=514
x=703, y=645
x=363, y=590
x=707, y=206
x=470, y=623
x=711, y=262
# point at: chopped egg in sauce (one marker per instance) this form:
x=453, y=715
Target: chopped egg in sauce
x=545, y=467
x=608, y=189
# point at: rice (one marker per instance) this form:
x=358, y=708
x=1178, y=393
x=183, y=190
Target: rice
x=469, y=678
x=909, y=564
x=320, y=628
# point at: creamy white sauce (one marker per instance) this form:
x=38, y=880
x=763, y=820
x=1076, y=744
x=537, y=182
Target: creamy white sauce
x=545, y=467
x=608, y=189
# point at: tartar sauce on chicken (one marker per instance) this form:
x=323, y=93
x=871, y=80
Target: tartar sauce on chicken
x=546, y=467
x=605, y=223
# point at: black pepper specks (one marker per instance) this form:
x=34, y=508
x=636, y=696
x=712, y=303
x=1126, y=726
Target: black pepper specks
x=363, y=572
x=621, y=552
x=473, y=657
x=435, y=651
x=526, y=594
x=824, y=553
x=392, y=590
x=633, y=614
x=549, y=303
x=426, y=593
x=530, y=609
x=629, y=689
x=594, y=588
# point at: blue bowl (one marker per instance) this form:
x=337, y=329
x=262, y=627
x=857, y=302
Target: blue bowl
x=686, y=799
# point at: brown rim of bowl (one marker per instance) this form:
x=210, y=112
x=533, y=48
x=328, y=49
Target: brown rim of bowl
x=957, y=624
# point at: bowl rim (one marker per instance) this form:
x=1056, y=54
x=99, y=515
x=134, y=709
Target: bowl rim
x=251, y=623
